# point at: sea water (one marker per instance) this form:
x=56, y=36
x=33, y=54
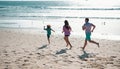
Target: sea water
x=36, y=14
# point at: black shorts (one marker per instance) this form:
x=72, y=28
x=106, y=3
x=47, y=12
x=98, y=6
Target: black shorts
x=67, y=35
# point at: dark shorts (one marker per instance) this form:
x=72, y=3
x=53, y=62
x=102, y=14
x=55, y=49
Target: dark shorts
x=67, y=35
x=48, y=35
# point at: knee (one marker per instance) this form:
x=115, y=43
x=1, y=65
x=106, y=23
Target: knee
x=65, y=38
x=89, y=40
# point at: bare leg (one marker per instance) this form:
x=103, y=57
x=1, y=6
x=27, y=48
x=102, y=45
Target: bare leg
x=49, y=40
x=65, y=38
x=85, y=44
x=91, y=41
x=68, y=42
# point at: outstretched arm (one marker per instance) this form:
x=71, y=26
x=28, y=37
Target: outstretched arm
x=52, y=30
x=44, y=28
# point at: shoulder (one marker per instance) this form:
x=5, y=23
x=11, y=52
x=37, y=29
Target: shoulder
x=64, y=26
x=92, y=24
x=84, y=24
x=48, y=28
x=69, y=26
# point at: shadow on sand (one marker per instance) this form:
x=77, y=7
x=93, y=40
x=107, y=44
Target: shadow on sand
x=87, y=55
x=61, y=51
x=44, y=46
x=84, y=56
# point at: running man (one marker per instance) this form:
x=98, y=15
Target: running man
x=88, y=27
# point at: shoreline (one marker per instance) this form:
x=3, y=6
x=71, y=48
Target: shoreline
x=73, y=34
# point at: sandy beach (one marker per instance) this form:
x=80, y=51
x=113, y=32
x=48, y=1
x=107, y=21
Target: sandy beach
x=28, y=49
x=23, y=40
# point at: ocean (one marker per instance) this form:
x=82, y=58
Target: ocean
x=36, y=14
x=54, y=9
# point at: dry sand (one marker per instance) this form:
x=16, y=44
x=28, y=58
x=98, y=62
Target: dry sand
x=29, y=50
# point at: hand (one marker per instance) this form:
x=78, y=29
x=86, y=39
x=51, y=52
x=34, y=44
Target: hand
x=91, y=30
x=83, y=28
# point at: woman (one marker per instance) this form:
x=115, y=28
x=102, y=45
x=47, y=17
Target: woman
x=67, y=29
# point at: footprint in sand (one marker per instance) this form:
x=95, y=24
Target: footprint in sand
x=113, y=56
x=30, y=54
x=40, y=56
x=5, y=53
x=14, y=52
x=6, y=67
x=7, y=62
x=38, y=53
x=26, y=60
x=68, y=61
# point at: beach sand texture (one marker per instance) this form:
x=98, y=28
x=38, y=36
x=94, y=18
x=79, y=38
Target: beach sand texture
x=22, y=50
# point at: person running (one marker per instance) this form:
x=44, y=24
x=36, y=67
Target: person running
x=88, y=27
x=48, y=29
x=67, y=29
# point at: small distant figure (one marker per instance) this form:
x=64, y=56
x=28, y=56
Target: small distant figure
x=67, y=29
x=48, y=29
x=104, y=23
x=88, y=27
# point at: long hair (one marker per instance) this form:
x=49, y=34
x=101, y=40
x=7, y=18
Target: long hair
x=66, y=24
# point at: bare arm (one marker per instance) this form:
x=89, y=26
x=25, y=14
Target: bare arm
x=70, y=29
x=63, y=30
x=44, y=28
x=93, y=28
x=83, y=27
x=52, y=30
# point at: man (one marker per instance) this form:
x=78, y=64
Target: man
x=88, y=27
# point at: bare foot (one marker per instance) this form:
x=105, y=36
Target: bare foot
x=70, y=47
x=98, y=44
x=82, y=48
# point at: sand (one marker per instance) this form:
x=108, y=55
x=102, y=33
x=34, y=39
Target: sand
x=28, y=49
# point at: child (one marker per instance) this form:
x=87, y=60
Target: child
x=48, y=29
x=88, y=27
x=67, y=29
